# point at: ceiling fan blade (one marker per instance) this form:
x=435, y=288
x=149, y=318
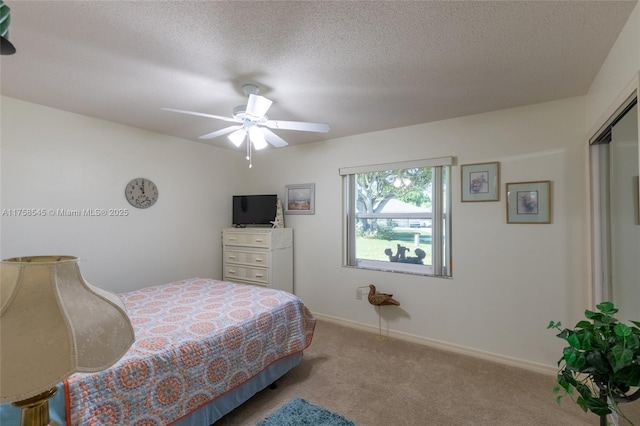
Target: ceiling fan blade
x=201, y=114
x=298, y=125
x=220, y=132
x=273, y=139
x=258, y=105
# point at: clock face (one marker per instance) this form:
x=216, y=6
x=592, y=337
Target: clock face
x=141, y=193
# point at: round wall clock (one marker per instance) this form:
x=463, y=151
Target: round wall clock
x=141, y=193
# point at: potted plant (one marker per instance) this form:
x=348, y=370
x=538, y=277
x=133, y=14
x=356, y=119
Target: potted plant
x=601, y=363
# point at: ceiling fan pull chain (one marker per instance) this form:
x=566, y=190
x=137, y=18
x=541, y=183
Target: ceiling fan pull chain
x=249, y=151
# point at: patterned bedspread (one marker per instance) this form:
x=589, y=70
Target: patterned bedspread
x=195, y=340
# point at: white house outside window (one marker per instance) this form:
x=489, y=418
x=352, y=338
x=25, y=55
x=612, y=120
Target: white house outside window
x=397, y=216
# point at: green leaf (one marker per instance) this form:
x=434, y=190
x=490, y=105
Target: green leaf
x=584, y=324
x=622, y=357
x=574, y=341
x=633, y=342
x=580, y=362
x=598, y=342
x=607, y=308
x=596, y=360
x=622, y=330
x=567, y=381
x=585, y=341
x=588, y=401
x=564, y=334
x=584, y=390
x=599, y=406
x=600, y=410
x=633, y=379
x=570, y=356
x=582, y=403
x=606, y=320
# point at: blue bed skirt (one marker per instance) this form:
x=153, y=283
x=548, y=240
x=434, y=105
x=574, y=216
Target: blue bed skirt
x=205, y=416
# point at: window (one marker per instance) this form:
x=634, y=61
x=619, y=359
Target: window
x=398, y=217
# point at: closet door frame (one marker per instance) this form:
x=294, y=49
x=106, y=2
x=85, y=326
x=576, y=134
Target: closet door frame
x=598, y=220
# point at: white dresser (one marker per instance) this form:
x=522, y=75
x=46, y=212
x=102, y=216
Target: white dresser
x=258, y=256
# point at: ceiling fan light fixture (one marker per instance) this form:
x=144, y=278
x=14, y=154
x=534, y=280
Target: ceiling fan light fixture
x=237, y=137
x=257, y=137
x=249, y=120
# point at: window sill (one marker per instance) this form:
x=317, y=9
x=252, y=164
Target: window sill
x=396, y=267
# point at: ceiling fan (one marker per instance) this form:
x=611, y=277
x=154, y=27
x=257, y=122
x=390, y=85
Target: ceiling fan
x=253, y=124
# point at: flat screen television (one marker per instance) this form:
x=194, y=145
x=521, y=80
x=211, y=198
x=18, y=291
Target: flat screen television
x=251, y=210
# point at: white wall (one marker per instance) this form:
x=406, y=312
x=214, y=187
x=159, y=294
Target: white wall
x=53, y=159
x=621, y=66
x=508, y=281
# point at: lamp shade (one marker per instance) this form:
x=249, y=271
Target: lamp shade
x=53, y=324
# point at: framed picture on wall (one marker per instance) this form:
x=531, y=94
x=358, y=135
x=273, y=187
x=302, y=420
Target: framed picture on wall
x=529, y=202
x=300, y=199
x=480, y=182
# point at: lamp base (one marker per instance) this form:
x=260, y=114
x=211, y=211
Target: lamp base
x=35, y=410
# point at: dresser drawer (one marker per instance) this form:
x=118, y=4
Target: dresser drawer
x=247, y=239
x=232, y=272
x=250, y=258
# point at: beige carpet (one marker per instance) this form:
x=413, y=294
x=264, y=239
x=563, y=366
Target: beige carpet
x=400, y=383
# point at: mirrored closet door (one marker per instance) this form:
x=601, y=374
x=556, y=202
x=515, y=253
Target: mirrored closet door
x=616, y=219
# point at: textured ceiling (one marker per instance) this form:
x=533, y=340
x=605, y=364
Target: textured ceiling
x=358, y=66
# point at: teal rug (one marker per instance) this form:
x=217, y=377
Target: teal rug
x=299, y=412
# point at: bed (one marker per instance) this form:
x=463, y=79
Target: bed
x=202, y=348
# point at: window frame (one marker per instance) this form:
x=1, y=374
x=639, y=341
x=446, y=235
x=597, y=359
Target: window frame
x=440, y=217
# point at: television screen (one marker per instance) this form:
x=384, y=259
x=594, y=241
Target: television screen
x=254, y=209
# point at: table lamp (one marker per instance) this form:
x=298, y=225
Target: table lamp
x=53, y=324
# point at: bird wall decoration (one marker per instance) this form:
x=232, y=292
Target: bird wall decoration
x=379, y=299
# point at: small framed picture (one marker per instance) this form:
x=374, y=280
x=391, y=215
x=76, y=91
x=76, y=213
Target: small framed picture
x=529, y=202
x=480, y=182
x=300, y=199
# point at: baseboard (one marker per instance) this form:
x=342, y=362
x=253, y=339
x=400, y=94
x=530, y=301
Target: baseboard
x=463, y=350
